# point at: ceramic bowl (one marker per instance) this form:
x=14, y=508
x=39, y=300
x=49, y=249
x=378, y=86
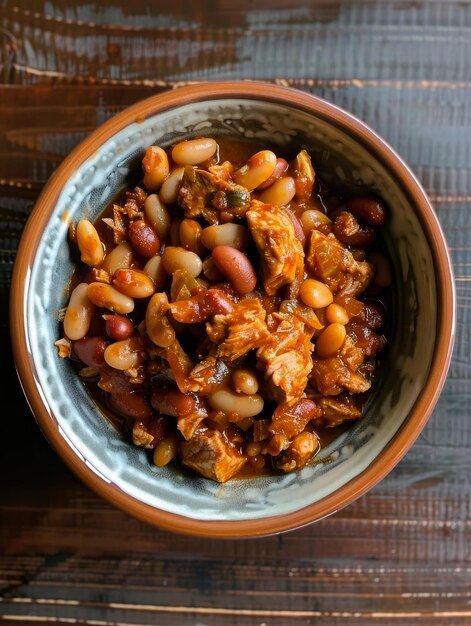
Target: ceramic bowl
x=346, y=152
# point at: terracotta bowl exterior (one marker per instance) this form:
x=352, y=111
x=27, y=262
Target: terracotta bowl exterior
x=412, y=376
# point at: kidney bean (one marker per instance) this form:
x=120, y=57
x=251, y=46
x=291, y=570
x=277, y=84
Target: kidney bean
x=368, y=209
x=170, y=401
x=236, y=267
x=298, y=229
x=373, y=314
x=90, y=350
x=144, y=239
x=383, y=272
x=118, y=327
x=280, y=168
x=350, y=232
x=131, y=404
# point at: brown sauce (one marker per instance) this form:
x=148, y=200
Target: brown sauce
x=322, y=198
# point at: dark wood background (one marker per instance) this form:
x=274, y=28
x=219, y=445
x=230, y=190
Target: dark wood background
x=399, y=555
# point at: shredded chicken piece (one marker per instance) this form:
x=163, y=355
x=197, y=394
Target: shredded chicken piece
x=299, y=453
x=303, y=174
x=331, y=261
x=100, y=276
x=239, y=331
x=286, y=357
x=117, y=224
x=224, y=171
x=211, y=455
x=336, y=410
x=64, y=347
x=281, y=252
x=203, y=194
x=209, y=372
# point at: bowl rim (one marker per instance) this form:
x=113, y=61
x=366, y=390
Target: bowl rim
x=413, y=423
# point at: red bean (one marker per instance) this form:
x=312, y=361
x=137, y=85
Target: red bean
x=170, y=401
x=144, y=239
x=236, y=267
x=131, y=404
x=118, y=327
x=298, y=229
x=374, y=314
x=90, y=350
x=368, y=209
x=350, y=232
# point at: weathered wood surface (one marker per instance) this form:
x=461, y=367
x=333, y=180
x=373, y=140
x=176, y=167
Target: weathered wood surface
x=402, y=553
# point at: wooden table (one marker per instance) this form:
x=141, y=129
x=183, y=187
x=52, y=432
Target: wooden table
x=399, y=555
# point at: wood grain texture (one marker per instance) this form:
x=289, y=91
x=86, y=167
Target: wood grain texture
x=402, y=553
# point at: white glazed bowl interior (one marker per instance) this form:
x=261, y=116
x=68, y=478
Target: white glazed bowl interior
x=337, y=157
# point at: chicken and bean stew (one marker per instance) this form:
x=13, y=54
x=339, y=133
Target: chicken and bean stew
x=228, y=311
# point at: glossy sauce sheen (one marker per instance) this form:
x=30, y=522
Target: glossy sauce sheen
x=237, y=152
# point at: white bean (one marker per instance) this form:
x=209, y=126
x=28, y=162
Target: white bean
x=125, y=354
x=154, y=268
x=159, y=329
x=157, y=215
x=133, y=283
x=257, y=170
x=119, y=257
x=194, y=151
x=175, y=258
x=78, y=313
x=312, y=218
x=245, y=381
x=280, y=193
x=230, y=402
x=234, y=235
x=89, y=243
x=108, y=297
x=190, y=236
x=155, y=166
x=169, y=190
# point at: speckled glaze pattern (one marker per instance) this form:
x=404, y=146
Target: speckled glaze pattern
x=339, y=158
